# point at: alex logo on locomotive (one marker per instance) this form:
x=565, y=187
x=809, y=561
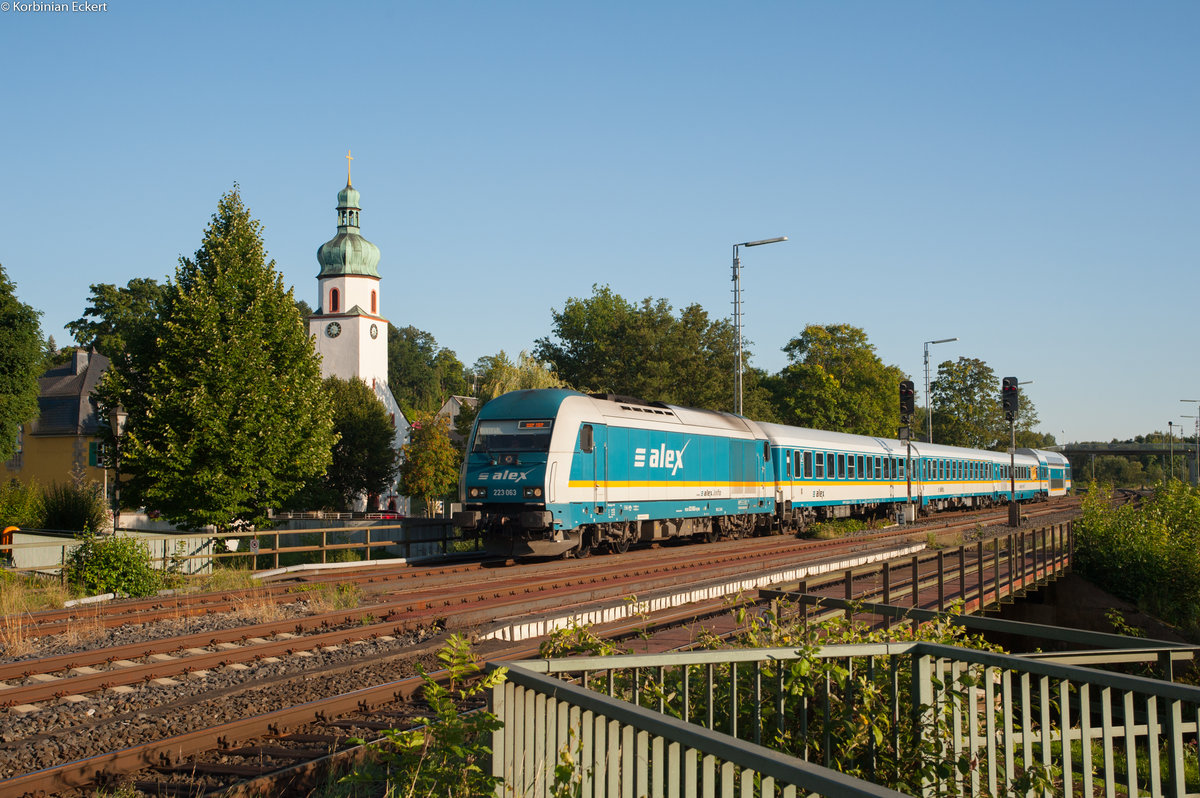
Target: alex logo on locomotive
x=662, y=457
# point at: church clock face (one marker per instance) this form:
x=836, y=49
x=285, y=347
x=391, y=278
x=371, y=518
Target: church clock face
x=374, y=330
x=333, y=329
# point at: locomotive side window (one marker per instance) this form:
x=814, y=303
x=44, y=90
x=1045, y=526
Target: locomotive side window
x=766, y=451
x=587, y=443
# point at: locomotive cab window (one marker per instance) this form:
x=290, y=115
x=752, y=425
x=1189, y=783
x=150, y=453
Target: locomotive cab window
x=510, y=435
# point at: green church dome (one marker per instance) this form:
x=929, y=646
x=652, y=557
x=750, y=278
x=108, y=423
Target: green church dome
x=348, y=252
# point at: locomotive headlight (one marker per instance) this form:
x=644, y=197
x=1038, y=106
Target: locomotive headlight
x=477, y=493
x=533, y=493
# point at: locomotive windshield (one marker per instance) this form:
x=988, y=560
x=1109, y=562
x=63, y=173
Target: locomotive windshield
x=512, y=436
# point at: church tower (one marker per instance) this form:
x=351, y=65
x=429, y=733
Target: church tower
x=350, y=333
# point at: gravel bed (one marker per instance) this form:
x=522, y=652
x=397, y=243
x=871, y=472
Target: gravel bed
x=62, y=731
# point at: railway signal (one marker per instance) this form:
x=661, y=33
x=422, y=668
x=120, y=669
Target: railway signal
x=1008, y=395
x=908, y=401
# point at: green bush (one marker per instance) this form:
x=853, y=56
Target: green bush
x=112, y=564
x=20, y=505
x=74, y=507
x=1147, y=553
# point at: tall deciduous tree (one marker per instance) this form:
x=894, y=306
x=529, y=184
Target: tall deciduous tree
x=21, y=360
x=967, y=409
x=430, y=462
x=227, y=416
x=498, y=374
x=606, y=344
x=835, y=381
x=116, y=318
x=421, y=374
x=364, y=461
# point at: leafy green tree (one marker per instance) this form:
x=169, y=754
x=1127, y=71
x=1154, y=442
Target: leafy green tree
x=965, y=398
x=421, y=374
x=606, y=344
x=835, y=381
x=21, y=361
x=115, y=317
x=227, y=416
x=967, y=410
x=364, y=462
x=498, y=374
x=429, y=462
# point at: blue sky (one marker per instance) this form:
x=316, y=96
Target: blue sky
x=1021, y=175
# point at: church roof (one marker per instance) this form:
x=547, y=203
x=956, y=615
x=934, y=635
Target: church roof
x=348, y=253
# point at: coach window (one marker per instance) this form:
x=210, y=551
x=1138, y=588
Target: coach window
x=787, y=465
x=850, y=472
x=808, y=465
x=841, y=466
x=820, y=474
x=586, y=442
x=861, y=474
x=878, y=468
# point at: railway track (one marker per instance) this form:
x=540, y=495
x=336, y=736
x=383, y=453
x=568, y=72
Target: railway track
x=205, y=710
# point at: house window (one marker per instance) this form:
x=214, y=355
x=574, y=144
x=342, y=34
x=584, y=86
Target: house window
x=335, y=305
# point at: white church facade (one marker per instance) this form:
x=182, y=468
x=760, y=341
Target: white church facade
x=348, y=327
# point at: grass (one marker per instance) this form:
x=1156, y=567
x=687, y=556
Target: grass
x=19, y=597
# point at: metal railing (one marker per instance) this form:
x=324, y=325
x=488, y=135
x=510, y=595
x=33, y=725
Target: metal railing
x=766, y=722
x=194, y=553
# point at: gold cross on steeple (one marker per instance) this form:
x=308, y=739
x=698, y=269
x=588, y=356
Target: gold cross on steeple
x=349, y=158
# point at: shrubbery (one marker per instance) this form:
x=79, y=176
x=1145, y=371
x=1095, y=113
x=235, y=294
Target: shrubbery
x=1148, y=553
x=75, y=507
x=20, y=505
x=112, y=564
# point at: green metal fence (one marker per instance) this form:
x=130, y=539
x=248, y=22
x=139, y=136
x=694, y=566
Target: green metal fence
x=930, y=718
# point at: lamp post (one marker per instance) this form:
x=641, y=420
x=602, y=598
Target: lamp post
x=1183, y=441
x=1171, y=444
x=929, y=404
x=737, y=313
x=1197, y=417
x=116, y=421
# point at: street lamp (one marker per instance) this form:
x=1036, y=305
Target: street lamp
x=116, y=422
x=737, y=313
x=1171, y=443
x=929, y=404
